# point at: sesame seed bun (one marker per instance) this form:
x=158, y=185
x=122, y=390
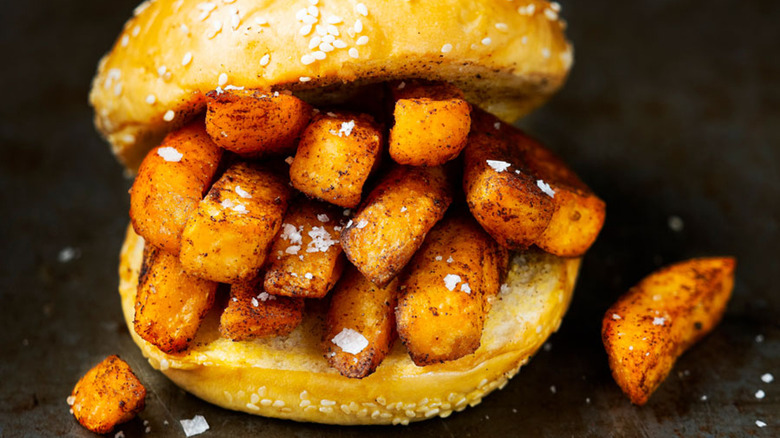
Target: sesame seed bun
x=508, y=58
x=288, y=377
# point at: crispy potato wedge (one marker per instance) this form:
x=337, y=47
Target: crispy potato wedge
x=523, y=194
x=256, y=123
x=432, y=122
x=108, y=395
x=335, y=156
x=445, y=290
x=359, y=329
x=252, y=313
x=170, y=182
x=228, y=237
x=504, y=199
x=306, y=259
x=170, y=303
x=393, y=221
x=657, y=320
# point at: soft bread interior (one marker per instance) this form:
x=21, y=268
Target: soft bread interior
x=287, y=377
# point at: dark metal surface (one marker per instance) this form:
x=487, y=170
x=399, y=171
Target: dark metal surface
x=673, y=109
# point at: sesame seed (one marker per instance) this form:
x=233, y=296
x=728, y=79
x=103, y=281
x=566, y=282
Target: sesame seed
x=339, y=44
x=300, y=14
x=314, y=2
x=307, y=59
x=353, y=52
x=326, y=47
x=358, y=26
x=767, y=378
x=278, y=404
x=486, y=41
x=361, y=9
x=215, y=29
x=266, y=402
x=308, y=19
x=760, y=394
x=125, y=40
x=265, y=59
x=304, y=79
x=151, y=99
x=332, y=29
x=502, y=27
x=321, y=30
x=319, y=55
x=524, y=40
x=306, y=29
x=546, y=52
x=118, y=89
x=314, y=42
x=527, y=10
x=136, y=31
x=446, y=48
x=555, y=6
x=363, y=40
x=223, y=78
x=235, y=19
x=550, y=14
x=187, y=58
x=169, y=115
x=313, y=11
x=334, y=19
x=262, y=21
x=759, y=339
x=760, y=423
x=328, y=39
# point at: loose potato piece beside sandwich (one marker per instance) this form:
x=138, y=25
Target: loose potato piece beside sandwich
x=656, y=321
x=170, y=182
x=170, y=303
x=335, y=156
x=432, y=122
x=255, y=123
x=108, y=395
x=360, y=326
x=306, y=259
x=394, y=219
x=253, y=313
x=445, y=290
x=228, y=237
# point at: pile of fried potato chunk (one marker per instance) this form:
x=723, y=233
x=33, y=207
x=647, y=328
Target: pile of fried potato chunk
x=283, y=202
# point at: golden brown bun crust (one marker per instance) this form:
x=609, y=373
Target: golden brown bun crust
x=507, y=60
x=289, y=378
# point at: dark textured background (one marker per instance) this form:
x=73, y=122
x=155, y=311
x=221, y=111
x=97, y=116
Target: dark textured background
x=673, y=108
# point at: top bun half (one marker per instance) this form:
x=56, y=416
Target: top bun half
x=507, y=56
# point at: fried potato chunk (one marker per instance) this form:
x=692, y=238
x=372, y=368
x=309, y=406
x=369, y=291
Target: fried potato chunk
x=393, y=221
x=256, y=123
x=170, y=303
x=229, y=235
x=505, y=200
x=657, y=320
x=578, y=214
x=252, y=313
x=170, y=182
x=523, y=194
x=335, y=156
x=432, y=122
x=306, y=259
x=360, y=325
x=108, y=395
x=445, y=291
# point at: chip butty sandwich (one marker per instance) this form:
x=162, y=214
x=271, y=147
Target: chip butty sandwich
x=333, y=219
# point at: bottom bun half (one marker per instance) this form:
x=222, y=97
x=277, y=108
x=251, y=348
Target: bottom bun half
x=288, y=377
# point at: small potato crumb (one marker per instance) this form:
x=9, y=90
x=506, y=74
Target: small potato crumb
x=108, y=395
